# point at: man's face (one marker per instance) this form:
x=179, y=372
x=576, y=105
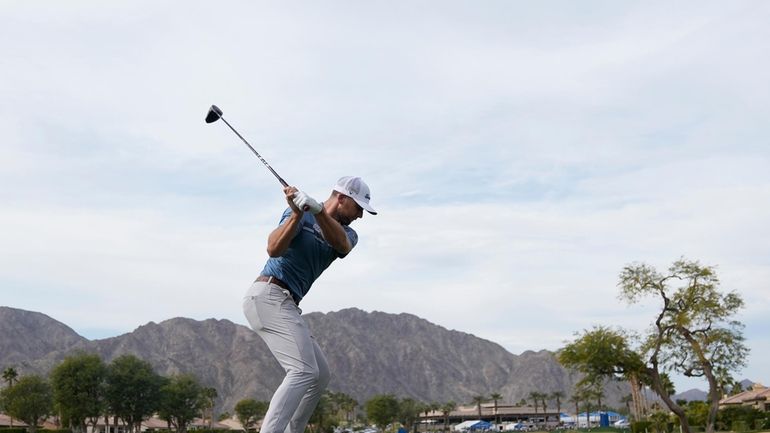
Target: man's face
x=348, y=210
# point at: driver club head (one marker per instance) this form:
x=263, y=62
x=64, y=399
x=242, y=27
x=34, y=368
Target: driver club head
x=214, y=114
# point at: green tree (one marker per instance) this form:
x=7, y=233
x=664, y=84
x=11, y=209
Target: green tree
x=209, y=400
x=736, y=387
x=597, y=392
x=626, y=400
x=78, y=390
x=382, y=409
x=132, y=390
x=495, y=397
x=576, y=398
x=323, y=419
x=9, y=376
x=659, y=421
x=697, y=413
x=431, y=407
x=409, y=411
x=557, y=396
x=605, y=353
x=741, y=418
x=346, y=404
x=30, y=399
x=447, y=409
x=694, y=333
x=249, y=411
x=586, y=395
x=182, y=399
x=534, y=397
x=478, y=400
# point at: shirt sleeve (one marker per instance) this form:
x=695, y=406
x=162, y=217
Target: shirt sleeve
x=286, y=214
x=352, y=237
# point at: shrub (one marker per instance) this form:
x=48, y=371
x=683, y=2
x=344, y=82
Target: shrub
x=641, y=426
x=739, y=426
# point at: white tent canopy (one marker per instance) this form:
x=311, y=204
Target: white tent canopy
x=467, y=425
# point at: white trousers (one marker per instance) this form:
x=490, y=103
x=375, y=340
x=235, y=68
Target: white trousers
x=272, y=313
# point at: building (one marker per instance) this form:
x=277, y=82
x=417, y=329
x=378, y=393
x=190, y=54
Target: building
x=503, y=415
x=153, y=424
x=758, y=397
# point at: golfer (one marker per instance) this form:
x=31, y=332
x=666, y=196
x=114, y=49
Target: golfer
x=309, y=237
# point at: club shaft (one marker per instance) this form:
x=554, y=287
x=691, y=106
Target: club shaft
x=280, y=179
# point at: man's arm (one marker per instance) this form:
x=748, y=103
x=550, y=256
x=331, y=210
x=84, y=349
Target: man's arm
x=331, y=229
x=333, y=232
x=280, y=238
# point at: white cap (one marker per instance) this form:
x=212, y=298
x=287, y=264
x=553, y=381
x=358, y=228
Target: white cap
x=355, y=188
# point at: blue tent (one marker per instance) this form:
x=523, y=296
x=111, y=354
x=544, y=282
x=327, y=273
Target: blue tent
x=481, y=425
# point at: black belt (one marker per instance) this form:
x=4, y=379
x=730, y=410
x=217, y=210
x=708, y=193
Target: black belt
x=279, y=283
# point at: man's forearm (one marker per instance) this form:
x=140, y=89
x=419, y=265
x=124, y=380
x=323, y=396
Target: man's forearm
x=279, y=240
x=333, y=232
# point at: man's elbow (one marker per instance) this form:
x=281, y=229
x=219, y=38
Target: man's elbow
x=273, y=251
x=344, y=249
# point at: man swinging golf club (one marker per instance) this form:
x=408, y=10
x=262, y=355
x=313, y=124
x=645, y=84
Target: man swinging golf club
x=309, y=237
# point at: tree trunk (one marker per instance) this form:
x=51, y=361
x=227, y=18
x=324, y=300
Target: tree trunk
x=577, y=414
x=714, y=388
x=657, y=384
x=588, y=414
x=637, y=399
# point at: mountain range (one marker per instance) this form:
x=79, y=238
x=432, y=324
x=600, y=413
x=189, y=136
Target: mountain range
x=369, y=353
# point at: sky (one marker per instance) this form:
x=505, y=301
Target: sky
x=520, y=154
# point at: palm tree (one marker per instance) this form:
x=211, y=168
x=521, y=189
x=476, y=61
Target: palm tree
x=10, y=375
x=477, y=400
x=558, y=395
x=446, y=409
x=588, y=410
x=495, y=397
x=209, y=394
x=598, y=393
x=576, y=398
x=627, y=399
x=535, y=397
x=348, y=405
x=427, y=408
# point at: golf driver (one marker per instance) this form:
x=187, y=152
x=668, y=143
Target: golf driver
x=215, y=114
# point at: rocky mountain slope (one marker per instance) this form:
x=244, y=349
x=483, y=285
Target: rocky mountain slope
x=368, y=353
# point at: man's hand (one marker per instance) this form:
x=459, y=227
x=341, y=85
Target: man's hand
x=307, y=203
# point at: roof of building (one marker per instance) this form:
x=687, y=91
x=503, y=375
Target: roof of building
x=488, y=410
x=757, y=392
x=5, y=421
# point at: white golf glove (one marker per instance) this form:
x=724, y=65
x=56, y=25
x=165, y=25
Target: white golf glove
x=306, y=203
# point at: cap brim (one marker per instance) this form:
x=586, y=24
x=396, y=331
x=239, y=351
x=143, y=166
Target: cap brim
x=365, y=206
